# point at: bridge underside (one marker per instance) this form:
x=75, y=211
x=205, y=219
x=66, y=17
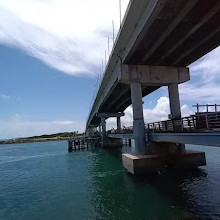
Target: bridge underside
x=119, y=99
x=157, y=41
x=177, y=33
x=157, y=33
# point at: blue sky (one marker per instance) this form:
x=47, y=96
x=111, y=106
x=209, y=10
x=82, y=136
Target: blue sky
x=34, y=90
x=51, y=66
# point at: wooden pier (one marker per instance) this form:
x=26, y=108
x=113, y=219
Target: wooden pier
x=126, y=142
x=80, y=143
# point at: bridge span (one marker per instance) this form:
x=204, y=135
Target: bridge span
x=156, y=43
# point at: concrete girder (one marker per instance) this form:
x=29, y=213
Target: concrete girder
x=169, y=30
x=209, y=35
x=162, y=21
x=151, y=10
x=119, y=96
x=153, y=75
x=212, y=12
x=146, y=21
x=123, y=102
x=202, y=138
x=109, y=115
x=198, y=138
x=106, y=87
x=106, y=97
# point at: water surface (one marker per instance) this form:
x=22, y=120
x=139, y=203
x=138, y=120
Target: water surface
x=44, y=181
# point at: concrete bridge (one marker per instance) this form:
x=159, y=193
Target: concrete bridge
x=157, y=41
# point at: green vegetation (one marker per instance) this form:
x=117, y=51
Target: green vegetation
x=45, y=137
x=57, y=135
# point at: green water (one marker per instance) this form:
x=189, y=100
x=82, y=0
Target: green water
x=44, y=181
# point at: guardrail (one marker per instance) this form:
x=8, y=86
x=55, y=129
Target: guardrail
x=207, y=121
x=193, y=123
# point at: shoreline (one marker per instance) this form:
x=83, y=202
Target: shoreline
x=24, y=140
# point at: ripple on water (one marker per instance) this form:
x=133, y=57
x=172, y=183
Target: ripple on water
x=43, y=181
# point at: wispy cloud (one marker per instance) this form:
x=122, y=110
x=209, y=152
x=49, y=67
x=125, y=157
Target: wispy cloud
x=18, y=126
x=207, y=68
x=68, y=35
x=5, y=97
x=203, y=93
x=204, y=86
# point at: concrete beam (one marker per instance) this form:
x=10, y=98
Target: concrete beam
x=186, y=36
x=208, y=139
x=93, y=126
x=108, y=84
x=121, y=136
x=149, y=11
x=120, y=94
x=187, y=52
x=153, y=75
x=175, y=22
x=109, y=115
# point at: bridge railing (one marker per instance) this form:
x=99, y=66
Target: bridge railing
x=199, y=122
x=207, y=121
x=187, y=124
x=124, y=130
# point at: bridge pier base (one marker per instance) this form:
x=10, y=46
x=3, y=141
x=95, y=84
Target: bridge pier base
x=163, y=157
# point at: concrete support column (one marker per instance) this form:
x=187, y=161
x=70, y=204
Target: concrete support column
x=90, y=132
x=100, y=129
x=175, y=106
x=118, y=124
x=103, y=124
x=138, y=118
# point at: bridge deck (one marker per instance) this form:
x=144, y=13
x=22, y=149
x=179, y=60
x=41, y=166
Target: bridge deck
x=203, y=128
x=197, y=138
x=157, y=32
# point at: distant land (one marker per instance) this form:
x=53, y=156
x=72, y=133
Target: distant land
x=41, y=138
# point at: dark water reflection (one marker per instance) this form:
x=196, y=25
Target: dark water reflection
x=43, y=181
x=173, y=195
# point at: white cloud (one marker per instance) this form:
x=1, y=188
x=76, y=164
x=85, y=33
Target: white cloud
x=9, y=97
x=207, y=68
x=204, y=86
x=158, y=113
x=5, y=97
x=68, y=35
x=205, y=93
x=17, y=126
x=185, y=111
